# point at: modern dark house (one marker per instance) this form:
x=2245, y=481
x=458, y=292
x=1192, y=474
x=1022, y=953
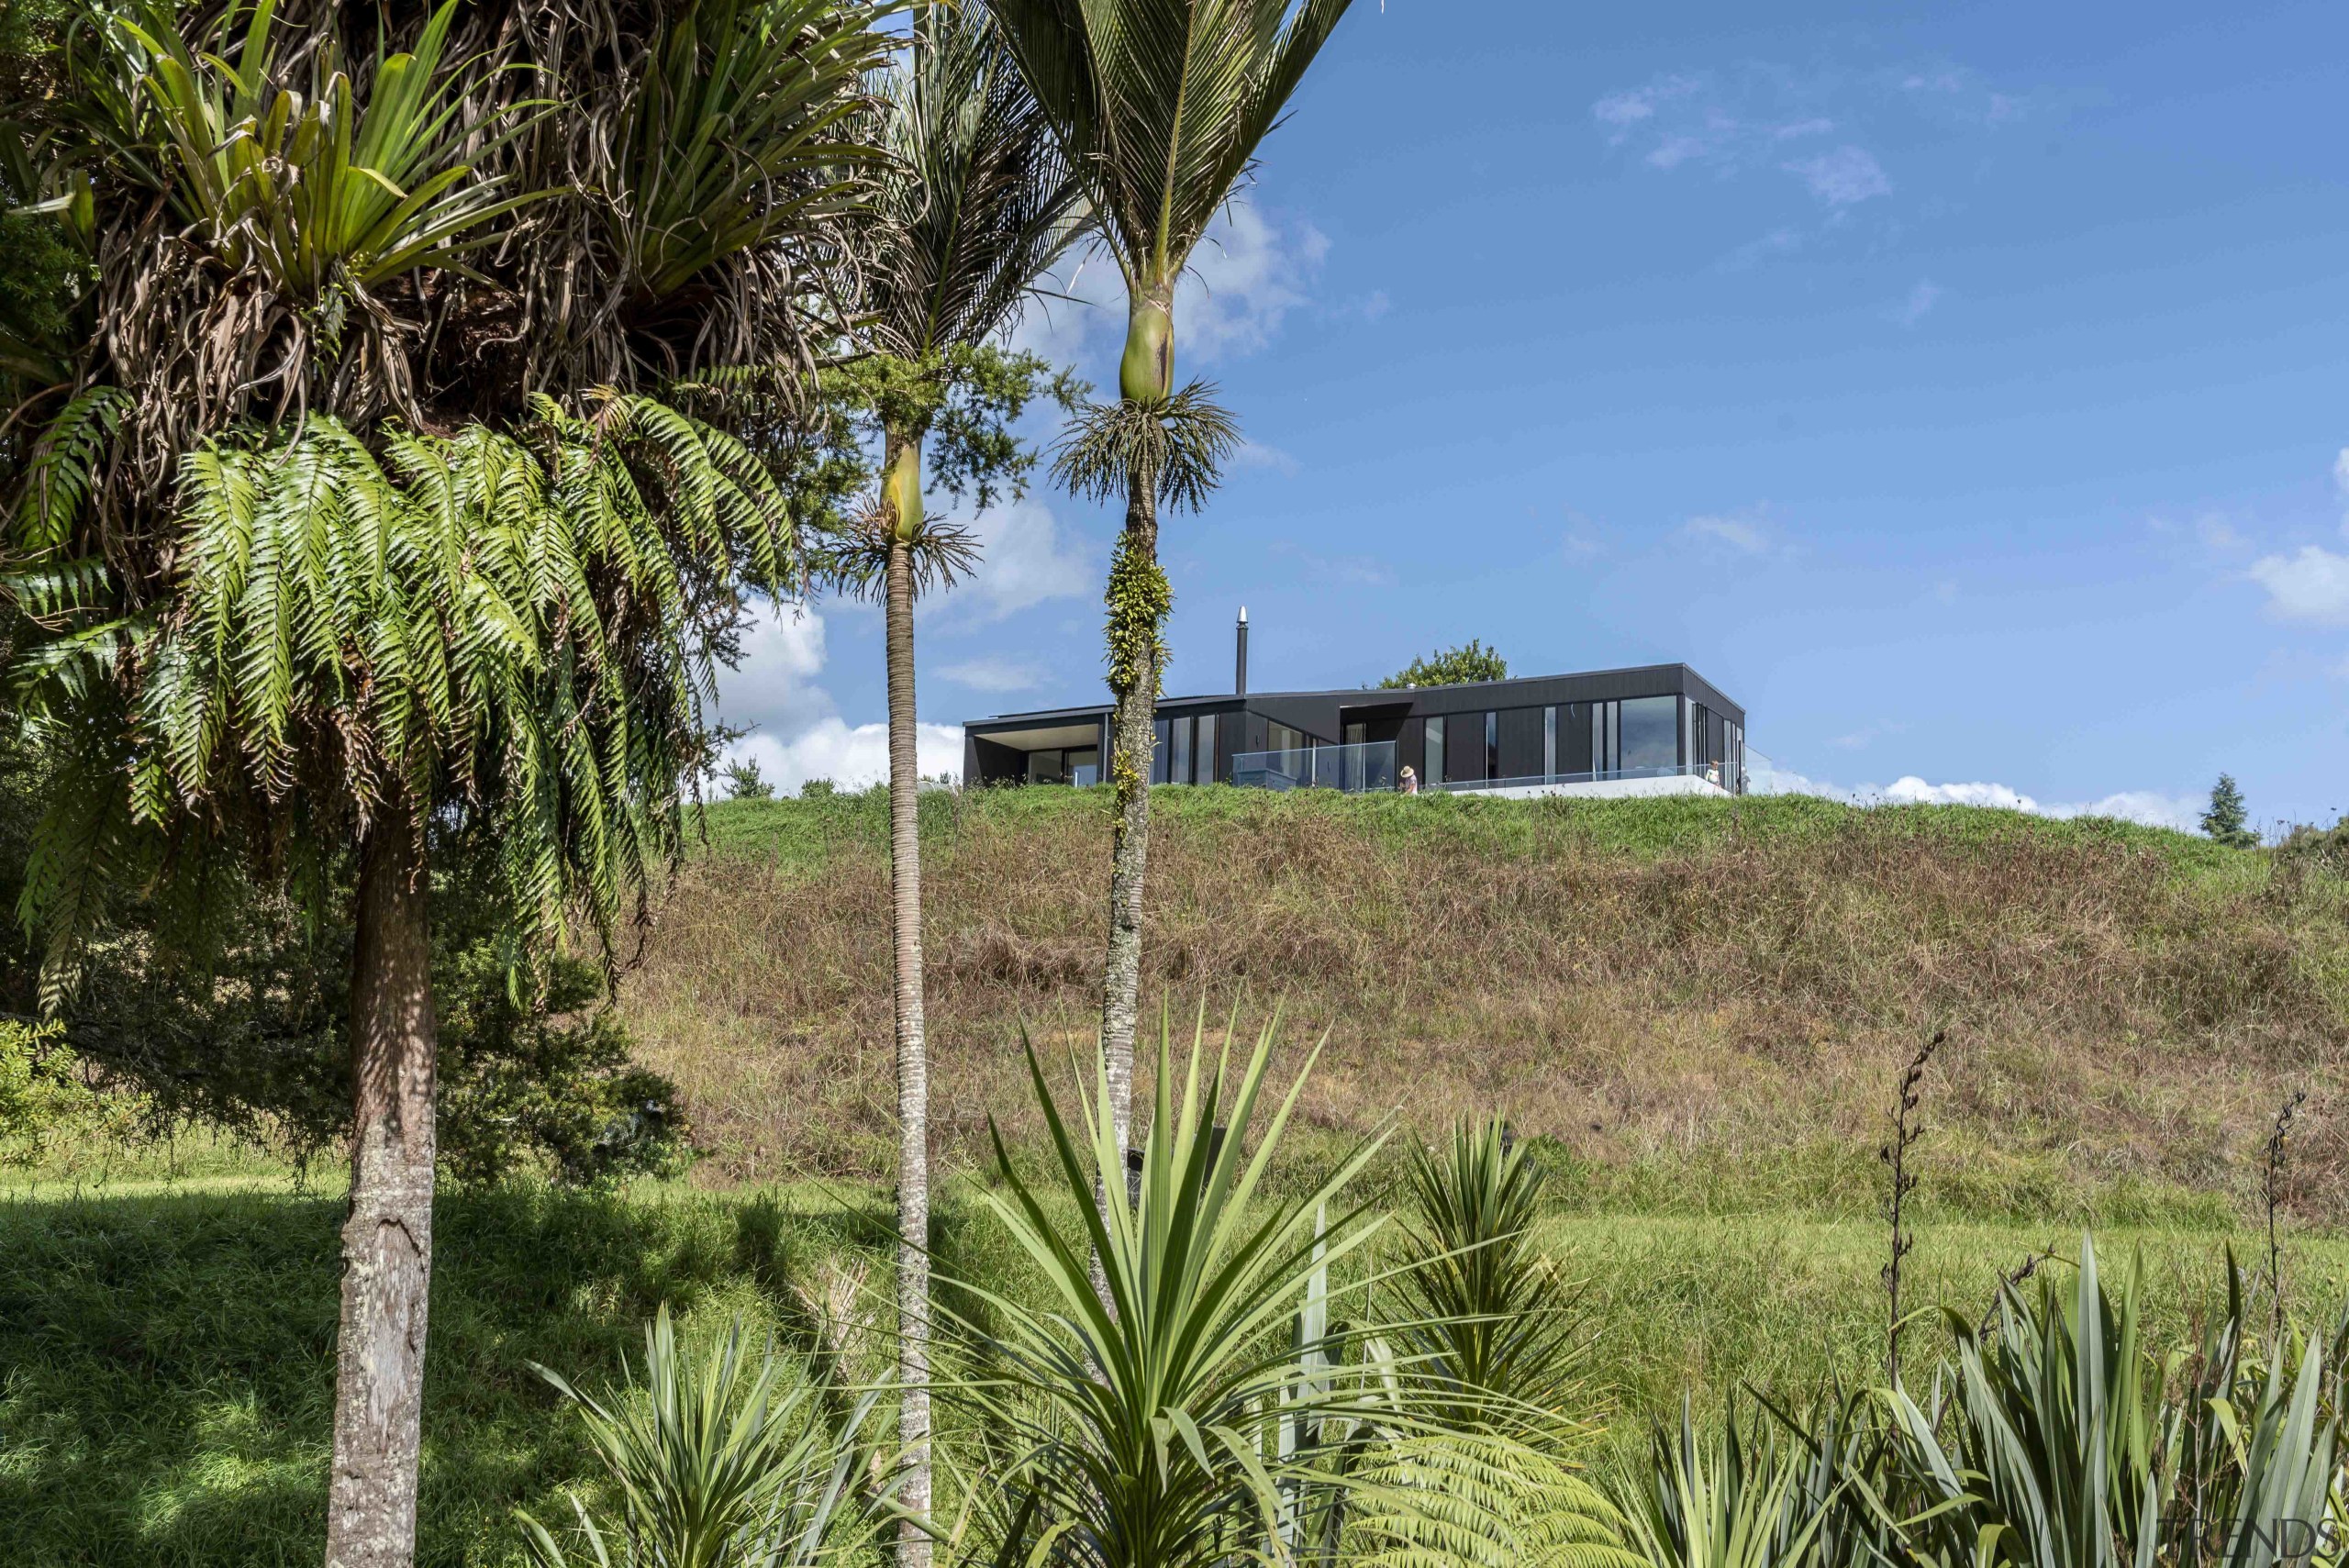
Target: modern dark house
x=1656, y=730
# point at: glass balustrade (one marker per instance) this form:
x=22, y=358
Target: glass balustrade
x=1371, y=766
x=1366, y=766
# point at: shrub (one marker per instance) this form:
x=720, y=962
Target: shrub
x=46, y=1097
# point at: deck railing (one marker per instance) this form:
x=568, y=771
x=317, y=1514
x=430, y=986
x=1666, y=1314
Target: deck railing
x=1364, y=766
x=1370, y=765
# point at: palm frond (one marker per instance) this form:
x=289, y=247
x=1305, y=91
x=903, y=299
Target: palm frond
x=1176, y=446
x=976, y=200
x=854, y=556
x=1161, y=105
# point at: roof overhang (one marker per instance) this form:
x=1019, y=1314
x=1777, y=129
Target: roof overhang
x=1043, y=736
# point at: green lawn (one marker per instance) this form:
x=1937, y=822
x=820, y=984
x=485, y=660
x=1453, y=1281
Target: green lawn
x=166, y=1352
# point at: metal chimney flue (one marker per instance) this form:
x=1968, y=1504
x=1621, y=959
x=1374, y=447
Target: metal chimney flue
x=1240, y=671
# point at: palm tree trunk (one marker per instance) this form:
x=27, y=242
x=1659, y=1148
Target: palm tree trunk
x=1131, y=741
x=913, y=1054
x=387, y=1241
x=1138, y=601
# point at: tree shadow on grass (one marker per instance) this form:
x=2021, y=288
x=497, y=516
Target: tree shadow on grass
x=167, y=1364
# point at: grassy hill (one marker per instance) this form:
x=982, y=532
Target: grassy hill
x=1700, y=1007
x=1703, y=1004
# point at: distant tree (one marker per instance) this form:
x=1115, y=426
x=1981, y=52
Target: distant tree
x=2225, y=820
x=1471, y=660
x=744, y=781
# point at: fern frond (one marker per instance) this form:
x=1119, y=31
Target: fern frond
x=517, y=626
x=1460, y=1500
x=63, y=468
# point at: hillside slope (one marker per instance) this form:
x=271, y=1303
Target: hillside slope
x=1703, y=1003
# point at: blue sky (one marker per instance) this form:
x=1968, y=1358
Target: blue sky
x=1962, y=391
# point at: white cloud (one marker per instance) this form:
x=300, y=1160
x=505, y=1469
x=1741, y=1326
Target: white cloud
x=1247, y=274
x=1844, y=177
x=1348, y=571
x=994, y=673
x=2141, y=805
x=1740, y=534
x=1914, y=791
x=1920, y=303
x=2217, y=533
x=2311, y=585
x=1621, y=112
x=1250, y=271
x=773, y=686
x=1868, y=733
x=1026, y=558
x=1777, y=242
x=851, y=758
x=2149, y=807
x=1084, y=300
x=799, y=734
x=2134, y=806
x=1258, y=454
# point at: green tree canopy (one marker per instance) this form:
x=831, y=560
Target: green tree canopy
x=2226, y=819
x=1471, y=660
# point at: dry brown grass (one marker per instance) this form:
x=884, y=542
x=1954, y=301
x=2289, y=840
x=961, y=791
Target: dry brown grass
x=1704, y=1005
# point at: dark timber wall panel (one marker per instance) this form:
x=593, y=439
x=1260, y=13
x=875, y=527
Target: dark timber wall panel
x=1464, y=747
x=1520, y=739
x=1573, y=738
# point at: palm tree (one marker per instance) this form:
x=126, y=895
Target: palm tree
x=973, y=206
x=379, y=540
x=1159, y=105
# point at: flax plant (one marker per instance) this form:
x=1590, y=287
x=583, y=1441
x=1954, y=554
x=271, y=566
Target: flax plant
x=719, y=1461
x=1489, y=1322
x=1146, y=1430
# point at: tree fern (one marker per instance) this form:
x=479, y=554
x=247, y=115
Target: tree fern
x=517, y=628
x=1458, y=1500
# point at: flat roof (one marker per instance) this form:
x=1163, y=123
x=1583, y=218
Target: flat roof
x=1344, y=694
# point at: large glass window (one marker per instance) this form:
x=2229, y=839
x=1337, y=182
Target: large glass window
x=1085, y=767
x=1492, y=745
x=1435, y=750
x=1284, y=738
x=1179, y=765
x=1158, y=730
x=1650, y=733
x=1549, y=743
x=1204, y=755
x=1047, y=767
